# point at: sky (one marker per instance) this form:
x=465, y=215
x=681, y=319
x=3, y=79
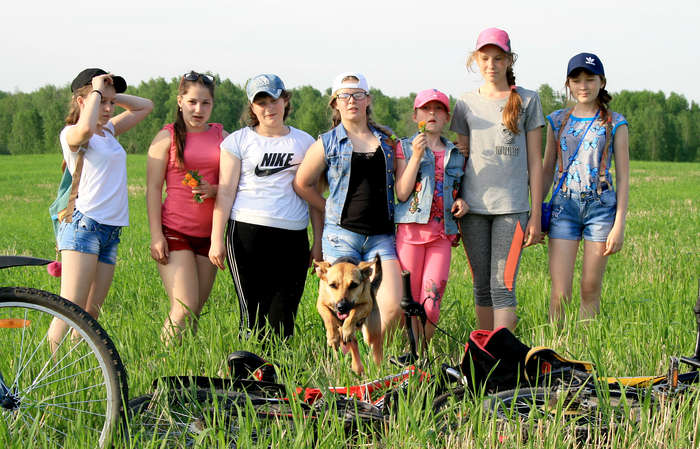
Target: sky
x=400, y=46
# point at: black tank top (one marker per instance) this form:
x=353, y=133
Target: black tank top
x=365, y=210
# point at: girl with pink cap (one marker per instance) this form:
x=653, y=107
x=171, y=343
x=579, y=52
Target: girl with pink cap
x=429, y=171
x=498, y=126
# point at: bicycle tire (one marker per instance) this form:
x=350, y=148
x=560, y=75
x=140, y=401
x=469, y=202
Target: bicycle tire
x=448, y=410
x=582, y=412
x=65, y=397
x=185, y=417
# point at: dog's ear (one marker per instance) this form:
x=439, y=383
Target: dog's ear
x=365, y=269
x=321, y=268
x=377, y=273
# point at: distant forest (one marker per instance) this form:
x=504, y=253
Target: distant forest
x=662, y=128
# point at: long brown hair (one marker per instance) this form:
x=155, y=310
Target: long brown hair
x=73, y=107
x=513, y=108
x=251, y=119
x=179, y=127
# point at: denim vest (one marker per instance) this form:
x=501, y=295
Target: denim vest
x=416, y=209
x=337, y=149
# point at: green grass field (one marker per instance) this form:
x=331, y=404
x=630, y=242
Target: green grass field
x=649, y=290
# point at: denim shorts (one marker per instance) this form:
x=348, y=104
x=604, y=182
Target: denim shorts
x=583, y=214
x=339, y=242
x=85, y=235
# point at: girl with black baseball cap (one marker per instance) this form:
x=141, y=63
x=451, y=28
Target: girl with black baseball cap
x=88, y=237
x=581, y=142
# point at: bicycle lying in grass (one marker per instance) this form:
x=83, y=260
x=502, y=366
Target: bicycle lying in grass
x=67, y=397
x=519, y=387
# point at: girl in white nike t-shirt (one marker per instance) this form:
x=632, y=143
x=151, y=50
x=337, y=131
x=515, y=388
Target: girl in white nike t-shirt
x=266, y=243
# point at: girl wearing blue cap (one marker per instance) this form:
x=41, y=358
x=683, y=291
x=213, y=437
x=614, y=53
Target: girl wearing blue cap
x=266, y=244
x=88, y=236
x=581, y=143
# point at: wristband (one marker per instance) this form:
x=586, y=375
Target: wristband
x=95, y=90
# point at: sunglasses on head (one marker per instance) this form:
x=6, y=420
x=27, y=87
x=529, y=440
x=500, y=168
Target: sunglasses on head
x=194, y=76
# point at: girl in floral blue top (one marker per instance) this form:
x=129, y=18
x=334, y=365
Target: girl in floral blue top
x=581, y=144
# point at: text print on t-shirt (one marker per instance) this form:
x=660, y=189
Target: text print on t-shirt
x=274, y=163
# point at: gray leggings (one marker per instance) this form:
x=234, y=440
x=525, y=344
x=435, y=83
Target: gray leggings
x=493, y=244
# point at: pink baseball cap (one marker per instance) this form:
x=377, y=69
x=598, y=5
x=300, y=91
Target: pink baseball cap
x=426, y=96
x=494, y=36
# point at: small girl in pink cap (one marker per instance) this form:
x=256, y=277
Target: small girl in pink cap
x=429, y=172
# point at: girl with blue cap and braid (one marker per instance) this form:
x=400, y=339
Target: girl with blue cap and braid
x=581, y=143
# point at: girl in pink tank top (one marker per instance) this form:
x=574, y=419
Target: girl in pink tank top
x=181, y=225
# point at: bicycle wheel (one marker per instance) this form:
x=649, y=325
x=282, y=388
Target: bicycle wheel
x=450, y=410
x=190, y=417
x=62, y=398
x=583, y=412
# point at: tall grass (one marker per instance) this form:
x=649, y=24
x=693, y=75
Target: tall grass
x=648, y=293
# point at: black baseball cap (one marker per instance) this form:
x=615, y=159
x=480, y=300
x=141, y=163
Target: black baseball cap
x=586, y=61
x=85, y=77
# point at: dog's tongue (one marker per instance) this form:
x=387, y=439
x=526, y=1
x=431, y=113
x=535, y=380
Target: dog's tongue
x=342, y=316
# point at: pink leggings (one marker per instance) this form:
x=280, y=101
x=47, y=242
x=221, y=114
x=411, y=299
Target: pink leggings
x=429, y=265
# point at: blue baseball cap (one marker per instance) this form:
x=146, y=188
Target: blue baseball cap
x=267, y=83
x=587, y=61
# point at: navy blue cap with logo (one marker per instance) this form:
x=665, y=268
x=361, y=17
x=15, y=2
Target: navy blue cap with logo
x=587, y=61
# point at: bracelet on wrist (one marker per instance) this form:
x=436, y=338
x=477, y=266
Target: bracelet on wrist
x=95, y=90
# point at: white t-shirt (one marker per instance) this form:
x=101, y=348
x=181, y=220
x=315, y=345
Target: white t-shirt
x=268, y=165
x=102, y=192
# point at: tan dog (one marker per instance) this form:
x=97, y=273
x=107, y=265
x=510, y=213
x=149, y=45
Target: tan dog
x=347, y=303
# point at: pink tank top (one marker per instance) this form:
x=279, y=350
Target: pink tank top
x=180, y=211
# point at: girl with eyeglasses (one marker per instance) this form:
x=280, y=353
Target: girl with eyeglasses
x=356, y=160
x=88, y=238
x=181, y=224
x=266, y=242
x=498, y=126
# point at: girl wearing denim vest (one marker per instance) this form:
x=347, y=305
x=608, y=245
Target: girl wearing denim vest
x=581, y=142
x=429, y=172
x=357, y=158
x=499, y=125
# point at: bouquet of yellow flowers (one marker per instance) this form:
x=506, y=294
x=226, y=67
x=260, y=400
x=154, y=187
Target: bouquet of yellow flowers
x=193, y=179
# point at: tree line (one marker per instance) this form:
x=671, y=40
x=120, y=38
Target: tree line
x=662, y=128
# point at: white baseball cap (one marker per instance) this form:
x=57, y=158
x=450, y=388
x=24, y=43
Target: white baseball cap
x=361, y=82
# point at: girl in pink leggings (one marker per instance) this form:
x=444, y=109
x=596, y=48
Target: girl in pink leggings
x=429, y=169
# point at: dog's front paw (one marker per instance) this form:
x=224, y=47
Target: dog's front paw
x=347, y=333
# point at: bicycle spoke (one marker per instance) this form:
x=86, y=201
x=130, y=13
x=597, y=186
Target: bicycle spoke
x=52, y=372
x=36, y=387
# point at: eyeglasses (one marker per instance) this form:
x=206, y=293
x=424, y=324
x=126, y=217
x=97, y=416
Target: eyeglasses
x=194, y=76
x=356, y=95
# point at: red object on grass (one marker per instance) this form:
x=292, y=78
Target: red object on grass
x=54, y=269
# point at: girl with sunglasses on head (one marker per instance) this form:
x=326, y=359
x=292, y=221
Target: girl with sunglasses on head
x=181, y=224
x=581, y=142
x=266, y=242
x=356, y=159
x=498, y=126
x=88, y=238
